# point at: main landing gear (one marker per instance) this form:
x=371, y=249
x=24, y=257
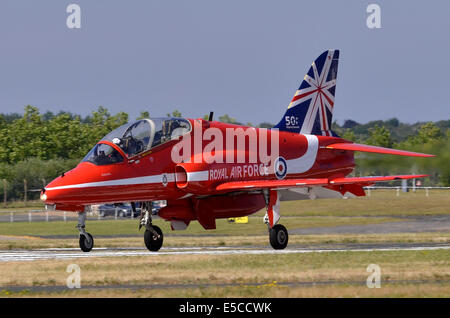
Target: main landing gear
x=278, y=237
x=278, y=234
x=153, y=236
x=86, y=239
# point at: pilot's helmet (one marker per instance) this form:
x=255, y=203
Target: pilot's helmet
x=116, y=141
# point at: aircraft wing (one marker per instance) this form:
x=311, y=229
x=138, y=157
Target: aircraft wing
x=372, y=180
x=375, y=149
x=296, y=183
x=272, y=184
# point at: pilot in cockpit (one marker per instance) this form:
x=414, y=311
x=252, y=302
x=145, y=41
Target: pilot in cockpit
x=101, y=158
x=129, y=145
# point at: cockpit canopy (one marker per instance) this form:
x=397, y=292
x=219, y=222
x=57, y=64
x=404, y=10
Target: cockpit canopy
x=135, y=138
x=103, y=154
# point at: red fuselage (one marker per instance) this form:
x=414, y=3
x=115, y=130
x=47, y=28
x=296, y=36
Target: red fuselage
x=153, y=174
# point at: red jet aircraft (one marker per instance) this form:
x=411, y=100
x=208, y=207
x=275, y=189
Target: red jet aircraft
x=207, y=170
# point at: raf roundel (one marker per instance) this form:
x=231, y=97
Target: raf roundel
x=280, y=167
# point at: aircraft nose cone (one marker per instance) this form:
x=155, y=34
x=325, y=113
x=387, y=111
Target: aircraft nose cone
x=65, y=189
x=54, y=191
x=43, y=196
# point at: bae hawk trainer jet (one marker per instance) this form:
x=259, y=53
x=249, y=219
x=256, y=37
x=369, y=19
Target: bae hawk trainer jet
x=207, y=170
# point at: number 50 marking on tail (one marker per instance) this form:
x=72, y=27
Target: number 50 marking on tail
x=291, y=121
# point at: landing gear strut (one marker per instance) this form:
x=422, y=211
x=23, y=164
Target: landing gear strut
x=86, y=239
x=278, y=234
x=153, y=236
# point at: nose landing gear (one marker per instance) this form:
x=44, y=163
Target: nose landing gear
x=86, y=239
x=153, y=236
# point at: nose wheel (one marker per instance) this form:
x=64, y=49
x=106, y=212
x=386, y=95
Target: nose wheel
x=86, y=242
x=153, y=236
x=86, y=239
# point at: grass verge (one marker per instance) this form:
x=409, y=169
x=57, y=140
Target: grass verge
x=279, y=275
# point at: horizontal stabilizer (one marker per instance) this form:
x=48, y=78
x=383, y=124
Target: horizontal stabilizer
x=271, y=184
x=318, y=182
x=371, y=180
x=375, y=149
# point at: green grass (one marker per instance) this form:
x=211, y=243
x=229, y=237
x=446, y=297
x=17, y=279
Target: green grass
x=381, y=202
x=130, y=227
x=317, y=240
x=22, y=206
x=381, y=206
x=430, y=268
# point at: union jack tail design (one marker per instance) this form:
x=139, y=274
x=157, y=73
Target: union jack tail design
x=311, y=109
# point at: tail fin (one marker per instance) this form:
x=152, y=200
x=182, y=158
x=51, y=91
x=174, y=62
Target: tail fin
x=311, y=109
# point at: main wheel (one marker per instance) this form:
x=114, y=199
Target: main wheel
x=85, y=245
x=153, y=242
x=278, y=237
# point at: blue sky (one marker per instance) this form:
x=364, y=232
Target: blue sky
x=243, y=58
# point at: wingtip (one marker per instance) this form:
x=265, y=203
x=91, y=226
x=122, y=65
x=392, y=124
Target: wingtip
x=376, y=149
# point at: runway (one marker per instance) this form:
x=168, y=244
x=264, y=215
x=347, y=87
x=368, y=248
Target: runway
x=73, y=253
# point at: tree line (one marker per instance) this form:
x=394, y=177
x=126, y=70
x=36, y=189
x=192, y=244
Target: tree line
x=38, y=147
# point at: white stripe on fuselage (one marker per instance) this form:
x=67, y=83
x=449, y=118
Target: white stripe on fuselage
x=118, y=182
x=198, y=176
x=305, y=162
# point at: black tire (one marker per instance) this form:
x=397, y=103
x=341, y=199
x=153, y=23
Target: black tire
x=278, y=237
x=84, y=245
x=152, y=242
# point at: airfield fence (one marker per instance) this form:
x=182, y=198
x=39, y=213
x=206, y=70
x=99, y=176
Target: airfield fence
x=27, y=191
x=42, y=215
x=49, y=216
x=399, y=189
